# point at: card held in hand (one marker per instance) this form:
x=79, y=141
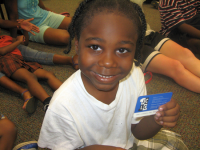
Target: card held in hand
x=149, y=104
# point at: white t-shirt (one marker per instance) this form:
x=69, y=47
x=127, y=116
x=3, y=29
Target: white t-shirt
x=76, y=119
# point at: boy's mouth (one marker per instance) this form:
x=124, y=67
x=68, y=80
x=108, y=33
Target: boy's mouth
x=102, y=76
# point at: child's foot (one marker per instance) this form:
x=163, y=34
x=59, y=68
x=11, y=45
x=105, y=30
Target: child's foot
x=75, y=62
x=31, y=145
x=30, y=103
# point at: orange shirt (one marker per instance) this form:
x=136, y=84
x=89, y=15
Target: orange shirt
x=7, y=40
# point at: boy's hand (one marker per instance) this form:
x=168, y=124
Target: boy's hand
x=168, y=114
x=20, y=38
x=26, y=25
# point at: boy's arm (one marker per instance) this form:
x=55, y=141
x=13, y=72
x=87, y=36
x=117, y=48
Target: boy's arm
x=9, y=48
x=190, y=30
x=11, y=7
x=167, y=115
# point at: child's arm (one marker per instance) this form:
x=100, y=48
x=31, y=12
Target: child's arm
x=167, y=115
x=26, y=37
x=9, y=48
x=11, y=7
x=190, y=30
x=21, y=24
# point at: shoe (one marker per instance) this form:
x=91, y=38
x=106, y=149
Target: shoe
x=2, y=116
x=46, y=107
x=31, y=104
x=46, y=103
x=73, y=63
x=31, y=145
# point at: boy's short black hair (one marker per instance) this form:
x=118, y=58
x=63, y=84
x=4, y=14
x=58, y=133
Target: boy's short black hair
x=88, y=8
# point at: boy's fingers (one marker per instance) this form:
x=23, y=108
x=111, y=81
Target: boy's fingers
x=170, y=112
x=173, y=118
x=171, y=104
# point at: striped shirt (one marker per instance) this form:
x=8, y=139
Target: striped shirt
x=175, y=12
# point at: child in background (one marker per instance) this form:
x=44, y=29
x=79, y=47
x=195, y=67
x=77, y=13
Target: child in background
x=94, y=108
x=164, y=56
x=13, y=65
x=8, y=135
x=32, y=55
x=180, y=21
x=53, y=26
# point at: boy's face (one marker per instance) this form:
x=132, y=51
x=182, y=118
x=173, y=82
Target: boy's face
x=106, y=50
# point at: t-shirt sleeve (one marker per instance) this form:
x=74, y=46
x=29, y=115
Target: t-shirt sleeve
x=141, y=90
x=59, y=133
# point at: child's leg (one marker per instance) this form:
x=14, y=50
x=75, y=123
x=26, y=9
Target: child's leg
x=45, y=58
x=30, y=79
x=174, y=69
x=53, y=82
x=11, y=85
x=8, y=134
x=164, y=139
x=183, y=55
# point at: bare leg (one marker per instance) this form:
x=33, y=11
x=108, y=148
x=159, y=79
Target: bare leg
x=11, y=85
x=184, y=55
x=66, y=60
x=8, y=134
x=53, y=82
x=173, y=68
x=30, y=79
x=58, y=36
x=65, y=23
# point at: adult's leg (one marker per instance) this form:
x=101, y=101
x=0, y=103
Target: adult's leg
x=174, y=69
x=30, y=79
x=53, y=82
x=8, y=134
x=183, y=55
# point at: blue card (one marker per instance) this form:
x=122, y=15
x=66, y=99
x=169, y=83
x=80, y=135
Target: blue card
x=149, y=104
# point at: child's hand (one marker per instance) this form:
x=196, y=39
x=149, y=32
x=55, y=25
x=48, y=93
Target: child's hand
x=20, y=38
x=167, y=114
x=26, y=25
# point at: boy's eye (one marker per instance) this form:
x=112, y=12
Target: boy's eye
x=95, y=47
x=122, y=50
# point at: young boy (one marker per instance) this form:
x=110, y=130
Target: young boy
x=94, y=108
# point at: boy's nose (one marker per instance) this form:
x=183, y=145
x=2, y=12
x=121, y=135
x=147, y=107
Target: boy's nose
x=108, y=61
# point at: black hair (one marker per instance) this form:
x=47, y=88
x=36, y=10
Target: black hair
x=88, y=8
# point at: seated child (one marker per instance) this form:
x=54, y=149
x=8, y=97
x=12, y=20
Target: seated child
x=180, y=21
x=8, y=135
x=14, y=66
x=94, y=108
x=164, y=56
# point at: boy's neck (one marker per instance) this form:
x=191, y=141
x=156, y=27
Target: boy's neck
x=106, y=97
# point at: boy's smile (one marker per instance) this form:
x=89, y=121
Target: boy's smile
x=106, y=50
